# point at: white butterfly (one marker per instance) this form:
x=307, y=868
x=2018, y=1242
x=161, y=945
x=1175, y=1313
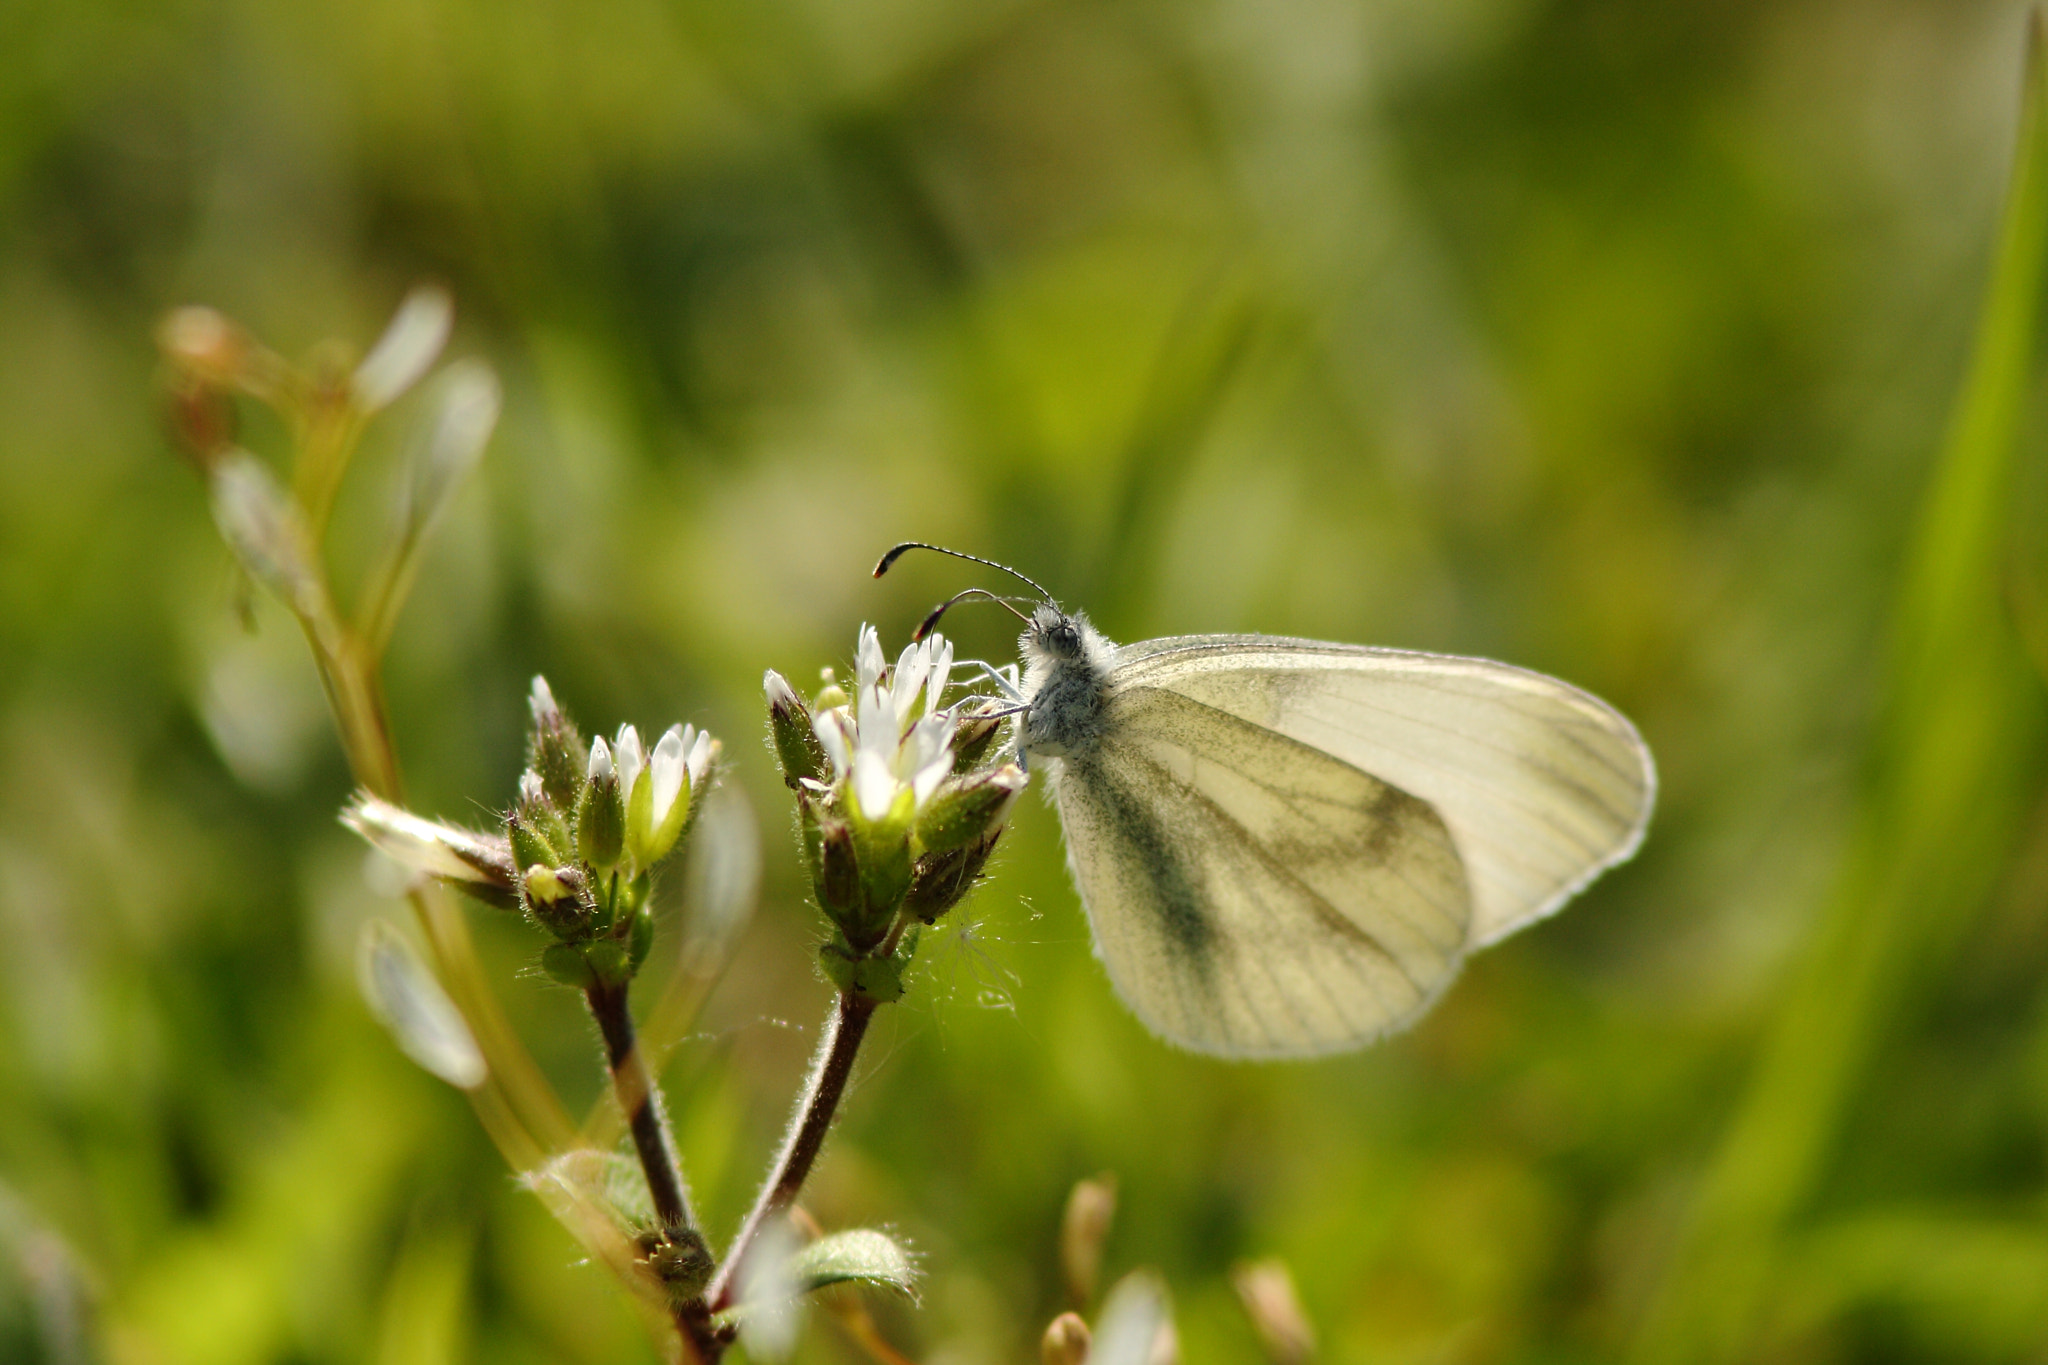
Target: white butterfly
x=1287, y=847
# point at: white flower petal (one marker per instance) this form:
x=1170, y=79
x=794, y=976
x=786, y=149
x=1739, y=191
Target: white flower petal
x=669, y=766
x=702, y=750
x=542, y=700
x=877, y=718
x=926, y=779
x=874, y=786
x=600, y=759
x=631, y=758
x=777, y=688
x=868, y=663
x=942, y=668
x=531, y=790
x=835, y=732
x=911, y=669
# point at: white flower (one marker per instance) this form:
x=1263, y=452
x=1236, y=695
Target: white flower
x=874, y=744
x=658, y=802
x=600, y=760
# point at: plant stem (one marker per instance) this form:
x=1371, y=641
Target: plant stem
x=640, y=1102
x=830, y=1070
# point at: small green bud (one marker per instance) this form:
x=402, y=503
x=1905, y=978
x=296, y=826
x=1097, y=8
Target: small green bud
x=942, y=880
x=555, y=750
x=974, y=735
x=836, y=870
x=789, y=726
x=601, y=812
x=966, y=810
x=559, y=900
x=679, y=1258
x=564, y=962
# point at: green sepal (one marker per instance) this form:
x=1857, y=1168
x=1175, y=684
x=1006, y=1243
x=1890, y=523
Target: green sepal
x=880, y=979
x=611, y=960
x=639, y=814
x=796, y=741
x=601, y=822
x=965, y=810
x=564, y=962
x=532, y=841
x=641, y=941
x=561, y=758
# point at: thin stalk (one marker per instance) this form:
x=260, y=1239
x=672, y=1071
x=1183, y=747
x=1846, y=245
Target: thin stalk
x=830, y=1071
x=640, y=1102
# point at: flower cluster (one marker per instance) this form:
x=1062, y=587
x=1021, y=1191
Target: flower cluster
x=579, y=848
x=591, y=824
x=900, y=800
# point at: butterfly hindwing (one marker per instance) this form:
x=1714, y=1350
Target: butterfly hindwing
x=1250, y=894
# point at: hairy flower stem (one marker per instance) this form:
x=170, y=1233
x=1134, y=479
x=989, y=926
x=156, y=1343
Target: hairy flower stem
x=830, y=1071
x=640, y=1102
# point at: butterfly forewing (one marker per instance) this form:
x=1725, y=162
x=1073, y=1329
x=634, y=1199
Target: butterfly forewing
x=1250, y=894
x=1542, y=786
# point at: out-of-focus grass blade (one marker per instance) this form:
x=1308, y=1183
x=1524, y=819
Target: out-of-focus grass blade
x=1958, y=1284
x=1954, y=755
x=404, y=996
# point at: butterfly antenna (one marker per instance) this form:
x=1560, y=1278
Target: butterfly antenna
x=899, y=551
x=924, y=627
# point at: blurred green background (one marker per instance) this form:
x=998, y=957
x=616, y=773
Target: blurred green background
x=1617, y=339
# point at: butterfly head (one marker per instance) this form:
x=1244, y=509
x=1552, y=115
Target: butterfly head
x=1066, y=681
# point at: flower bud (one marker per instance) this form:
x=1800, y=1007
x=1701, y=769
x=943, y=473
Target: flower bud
x=968, y=809
x=975, y=733
x=942, y=880
x=1066, y=1341
x=1267, y=1291
x=664, y=797
x=789, y=726
x=679, y=1258
x=601, y=813
x=835, y=872
x=555, y=750
x=559, y=900
x=1084, y=1228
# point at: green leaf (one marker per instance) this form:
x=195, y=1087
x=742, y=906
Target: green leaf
x=857, y=1256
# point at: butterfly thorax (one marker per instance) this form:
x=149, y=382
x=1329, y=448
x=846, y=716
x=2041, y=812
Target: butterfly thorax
x=1066, y=676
